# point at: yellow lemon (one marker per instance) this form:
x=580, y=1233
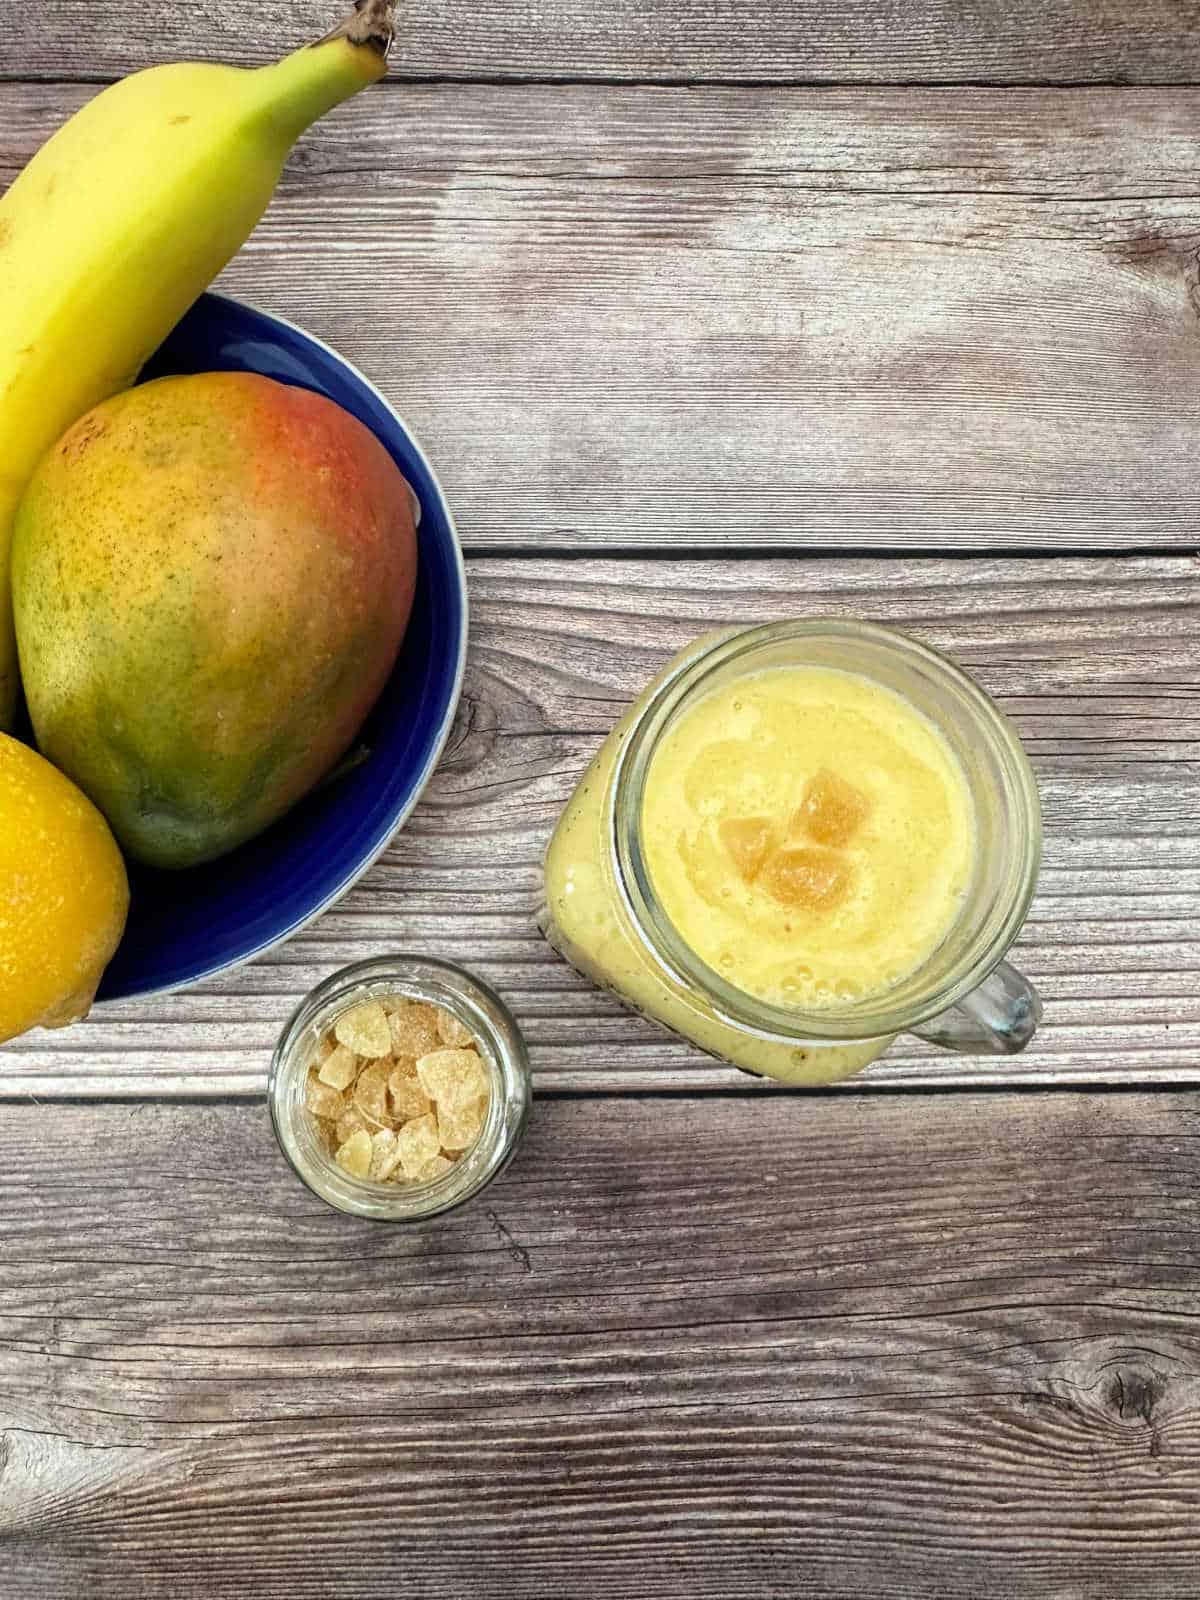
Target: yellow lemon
x=63, y=894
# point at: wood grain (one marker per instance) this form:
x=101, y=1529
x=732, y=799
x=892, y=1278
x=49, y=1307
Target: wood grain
x=858, y=41
x=683, y=1348
x=882, y=1344
x=1096, y=660
x=651, y=319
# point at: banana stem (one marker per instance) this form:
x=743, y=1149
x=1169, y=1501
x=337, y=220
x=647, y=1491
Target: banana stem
x=308, y=83
x=370, y=24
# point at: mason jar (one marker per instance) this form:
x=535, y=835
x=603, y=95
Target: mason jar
x=600, y=910
x=501, y=1048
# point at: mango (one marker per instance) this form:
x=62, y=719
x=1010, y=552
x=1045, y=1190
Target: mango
x=212, y=576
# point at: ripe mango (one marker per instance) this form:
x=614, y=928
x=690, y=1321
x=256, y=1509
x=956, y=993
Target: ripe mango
x=212, y=576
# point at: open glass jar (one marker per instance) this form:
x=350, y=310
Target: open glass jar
x=501, y=1049
x=601, y=910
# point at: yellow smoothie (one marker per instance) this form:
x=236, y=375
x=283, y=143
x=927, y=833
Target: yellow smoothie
x=584, y=918
x=809, y=834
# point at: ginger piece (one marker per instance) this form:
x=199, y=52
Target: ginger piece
x=453, y=1077
x=354, y=1156
x=460, y=1126
x=385, y=1154
x=413, y=1027
x=340, y=1068
x=364, y=1029
x=418, y=1143
x=408, y=1099
x=351, y=1121
x=321, y=1099
x=451, y=1031
x=831, y=809
x=748, y=840
x=371, y=1094
x=434, y=1168
x=807, y=878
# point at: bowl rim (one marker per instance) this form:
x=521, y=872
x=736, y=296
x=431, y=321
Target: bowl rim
x=439, y=744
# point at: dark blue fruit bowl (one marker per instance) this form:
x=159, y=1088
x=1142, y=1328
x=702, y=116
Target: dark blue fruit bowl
x=184, y=926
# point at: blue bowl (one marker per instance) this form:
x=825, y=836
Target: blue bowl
x=184, y=926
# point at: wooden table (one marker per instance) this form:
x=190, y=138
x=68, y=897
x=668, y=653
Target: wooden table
x=707, y=310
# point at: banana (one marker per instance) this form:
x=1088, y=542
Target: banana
x=124, y=217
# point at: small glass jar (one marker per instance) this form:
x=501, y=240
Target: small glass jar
x=500, y=1046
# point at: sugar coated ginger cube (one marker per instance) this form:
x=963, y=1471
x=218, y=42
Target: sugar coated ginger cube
x=434, y=1168
x=409, y=1100
x=749, y=841
x=351, y=1121
x=453, y=1077
x=831, y=810
x=413, y=1027
x=321, y=1099
x=371, y=1093
x=451, y=1031
x=354, y=1156
x=460, y=1126
x=418, y=1143
x=808, y=878
x=385, y=1154
x=340, y=1068
x=364, y=1029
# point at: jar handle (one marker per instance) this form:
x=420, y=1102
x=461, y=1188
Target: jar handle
x=997, y=1019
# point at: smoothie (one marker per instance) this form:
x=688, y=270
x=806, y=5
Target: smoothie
x=583, y=917
x=809, y=834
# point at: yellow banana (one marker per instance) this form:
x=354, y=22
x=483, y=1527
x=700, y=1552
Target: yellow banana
x=124, y=217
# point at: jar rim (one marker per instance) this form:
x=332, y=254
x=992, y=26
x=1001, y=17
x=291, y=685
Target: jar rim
x=502, y=1047
x=687, y=682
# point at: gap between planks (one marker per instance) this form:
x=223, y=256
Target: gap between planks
x=831, y=552
x=396, y=81
x=576, y=1088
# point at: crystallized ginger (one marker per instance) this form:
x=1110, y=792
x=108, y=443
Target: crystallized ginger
x=397, y=1090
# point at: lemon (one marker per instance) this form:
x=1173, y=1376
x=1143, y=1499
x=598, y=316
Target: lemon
x=63, y=894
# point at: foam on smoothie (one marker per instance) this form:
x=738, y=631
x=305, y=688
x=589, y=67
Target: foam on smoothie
x=809, y=833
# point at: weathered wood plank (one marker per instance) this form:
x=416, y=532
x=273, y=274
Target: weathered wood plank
x=684, y=1348
x=939, y=41
x=652, y=318
x=1095, y=659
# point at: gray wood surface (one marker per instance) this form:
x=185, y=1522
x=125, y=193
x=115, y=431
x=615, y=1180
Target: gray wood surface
x=1097, y=660
x=686, y=1348
x=644, y=318
x=847, y=41
x=898, y=1339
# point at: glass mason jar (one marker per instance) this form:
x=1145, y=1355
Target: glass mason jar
x=601, y=913
x=501, y=1048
